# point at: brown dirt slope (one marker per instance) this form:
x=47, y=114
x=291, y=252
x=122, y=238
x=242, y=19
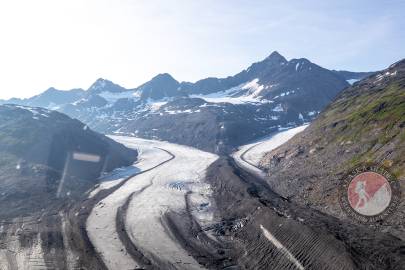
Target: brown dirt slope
x=365, y=123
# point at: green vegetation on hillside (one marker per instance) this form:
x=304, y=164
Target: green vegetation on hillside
x=373, y=117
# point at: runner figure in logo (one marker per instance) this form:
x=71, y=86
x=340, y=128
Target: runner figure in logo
x=370, y=192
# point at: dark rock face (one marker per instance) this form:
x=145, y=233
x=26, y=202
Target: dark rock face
x=161, y=86
x=214, y=114
x=364, y=124
x=102, y=85
x=207, y=126
x=46, y=157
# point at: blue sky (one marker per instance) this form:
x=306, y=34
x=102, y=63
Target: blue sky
x=71, y=43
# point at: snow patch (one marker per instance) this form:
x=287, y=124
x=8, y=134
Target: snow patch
x=301, y=117
x=253, y=87
x=278, y=108
x=386, y=74
x=352, y=81
x=254, y=151
x=155, y=105
x=312, y=113
x=113, y=97
x=244, y=93
x=35, y=111
x=180, y=111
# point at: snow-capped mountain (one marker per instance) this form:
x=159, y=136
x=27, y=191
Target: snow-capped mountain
x=161, y=86
x=51, y=98
x=101, y=86
x=213, y=114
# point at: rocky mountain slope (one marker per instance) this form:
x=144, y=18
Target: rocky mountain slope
x=366, y=123
x=352, y=77
x=214, y=114
x=47, y=158
x=50, y=98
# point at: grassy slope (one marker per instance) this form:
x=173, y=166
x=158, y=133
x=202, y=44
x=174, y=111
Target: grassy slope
x=373, y=119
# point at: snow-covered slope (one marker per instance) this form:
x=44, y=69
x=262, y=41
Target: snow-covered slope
x=249, y=156
x=245, y=93
x=168, y=177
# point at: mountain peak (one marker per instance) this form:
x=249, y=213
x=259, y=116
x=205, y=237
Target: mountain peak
x=101, y=80
x=163, y=77
x=162, y=80
x=161, y=86
x=275, y=57
x=101, y=85
x=51, y=90
x=275, y=53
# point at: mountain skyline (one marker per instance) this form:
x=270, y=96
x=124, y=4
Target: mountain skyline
x=164, y=75
x=71, y=43
x=269, y=94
